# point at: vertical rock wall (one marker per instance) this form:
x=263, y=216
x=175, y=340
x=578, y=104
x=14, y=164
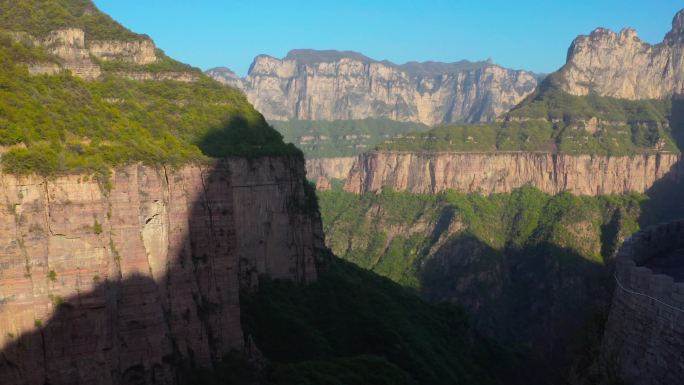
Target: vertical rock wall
x=124, y=286
x=644, y=338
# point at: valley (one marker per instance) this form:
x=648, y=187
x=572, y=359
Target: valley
x=333, y=219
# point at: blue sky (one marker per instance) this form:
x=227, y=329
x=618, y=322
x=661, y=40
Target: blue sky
x=527, y=34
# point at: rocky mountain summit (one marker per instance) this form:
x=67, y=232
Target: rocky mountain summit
x=621, y=65
x=335, y=85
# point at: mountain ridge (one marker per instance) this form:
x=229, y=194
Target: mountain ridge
x=344, y=85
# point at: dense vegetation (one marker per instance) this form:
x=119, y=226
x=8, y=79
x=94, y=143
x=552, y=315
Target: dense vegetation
x=394, y=241
x=529, y=267
x=39, y=17
x=328, y=139
x=353, y=327
x=554, y=121
x=57, y=124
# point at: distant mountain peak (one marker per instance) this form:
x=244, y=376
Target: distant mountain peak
x=677, y=32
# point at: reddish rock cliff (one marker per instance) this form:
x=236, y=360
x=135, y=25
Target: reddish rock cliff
x=122, y=286
x=489, y=173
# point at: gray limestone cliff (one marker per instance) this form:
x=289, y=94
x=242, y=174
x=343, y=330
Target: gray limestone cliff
x=332, y=85
x=623, y=66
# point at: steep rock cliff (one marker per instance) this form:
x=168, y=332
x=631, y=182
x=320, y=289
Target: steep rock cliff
x=644, y=336
x=332, y=85
x=127, y=285
x=487, y=173
x=623, y=66
x=329, y=168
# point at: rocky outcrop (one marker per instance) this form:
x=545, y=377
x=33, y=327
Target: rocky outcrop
x=69, y=46
x=487, y=173
x=332, y=85
x=76, y=54
x=329, y=168
x=125, y=285
x=138, y=52
x=644, y=335
x=623, y=66
x=185, y=77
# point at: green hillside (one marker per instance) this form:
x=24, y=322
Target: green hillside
x=553, y=121
x=529, y=268
x=329, y=139
x=62, y=124
x=39, y=17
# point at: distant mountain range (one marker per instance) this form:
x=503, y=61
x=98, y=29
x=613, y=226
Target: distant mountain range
x=343, y=85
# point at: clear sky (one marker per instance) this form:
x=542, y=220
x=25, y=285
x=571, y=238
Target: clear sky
x=526, y=34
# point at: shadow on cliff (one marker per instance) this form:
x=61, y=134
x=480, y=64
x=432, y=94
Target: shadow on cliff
x=159, y=326
x=135, y=329
x=666, y=196
x=238, y=137
x=547, y=298
x=84, y=316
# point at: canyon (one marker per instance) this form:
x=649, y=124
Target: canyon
x=152, y=270
x=129, y=283
x=334, y=85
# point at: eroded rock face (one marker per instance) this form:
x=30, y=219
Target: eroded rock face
x=69, y=45
x=76, y=54
x=488, y=173
x=185, y=77
x=139, y=52
x=623, y=66
x=329, y=168
x=124, y=286
x=331, y=85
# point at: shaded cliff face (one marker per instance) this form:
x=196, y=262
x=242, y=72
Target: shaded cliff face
x=128, y=285
x=621, y=65
x=644, y=337
x=421, y=172
x=331, y=85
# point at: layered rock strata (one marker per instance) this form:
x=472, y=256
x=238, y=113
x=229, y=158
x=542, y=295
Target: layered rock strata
x=125, y=285
x=623, y=66
x=332, y=85
x=487, y=173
